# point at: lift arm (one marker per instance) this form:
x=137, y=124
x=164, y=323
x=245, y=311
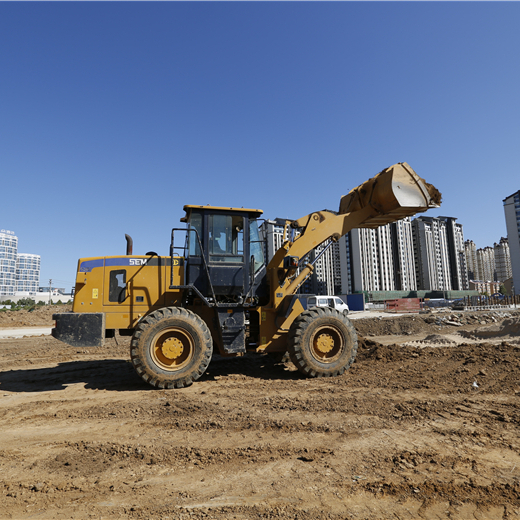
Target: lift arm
x=393, y=194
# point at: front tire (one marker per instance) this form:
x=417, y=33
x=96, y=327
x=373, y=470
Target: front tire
x=322, y=342
x=171, y=348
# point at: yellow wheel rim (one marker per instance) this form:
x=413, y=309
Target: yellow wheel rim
x=327, y=344
x=172, y=349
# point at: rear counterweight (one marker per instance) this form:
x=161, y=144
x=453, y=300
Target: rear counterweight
x=80, y=329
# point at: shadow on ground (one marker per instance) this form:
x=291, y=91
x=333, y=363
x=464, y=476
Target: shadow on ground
x=119, y=375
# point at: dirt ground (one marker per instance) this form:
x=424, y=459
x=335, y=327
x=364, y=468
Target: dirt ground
x=425, y=424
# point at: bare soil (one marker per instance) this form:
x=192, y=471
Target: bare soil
x=425, y=424
x=40, y=316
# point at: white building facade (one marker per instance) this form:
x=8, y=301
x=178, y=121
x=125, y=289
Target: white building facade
x=424, y=254
x=27, y=273
x=512, y=215
x=470, y=251
x=380, y=259
x=456, y=256
x=502, y=260
x=431, y=254
x=404, y=261
x=486, y=264
x=371, y=259
x=19, y=272
x=8, y=254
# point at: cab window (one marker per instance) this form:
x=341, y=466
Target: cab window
x=117, y=286
x=226, y=238
x=256, y=245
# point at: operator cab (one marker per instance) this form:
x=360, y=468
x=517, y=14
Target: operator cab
x=224, y=251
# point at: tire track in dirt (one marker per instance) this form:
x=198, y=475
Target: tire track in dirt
x=404, y=432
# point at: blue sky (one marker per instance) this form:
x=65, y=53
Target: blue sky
x=115, y=115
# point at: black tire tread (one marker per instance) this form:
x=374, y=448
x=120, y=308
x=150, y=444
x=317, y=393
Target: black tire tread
x=296, y=343
x=156, y=379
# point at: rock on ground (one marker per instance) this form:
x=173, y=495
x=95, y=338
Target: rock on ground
x=408, y=432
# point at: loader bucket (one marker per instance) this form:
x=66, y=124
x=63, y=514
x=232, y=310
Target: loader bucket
x=395, y=193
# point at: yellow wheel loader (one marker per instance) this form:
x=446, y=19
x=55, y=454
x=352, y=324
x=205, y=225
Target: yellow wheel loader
x=215, y=290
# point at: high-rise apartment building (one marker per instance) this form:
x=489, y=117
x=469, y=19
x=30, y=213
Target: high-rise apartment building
x=432, y=263
x=371, y=259
x=345, y=264
x=426, y=253
x=365, y=260
x=378, y=259
x=326, y=276
x=274, y=233
x=456, y=256
x=512, y=214
x=19, y=272
x=404, y=261
x=27, y=273
x=324, y=279
x=470, y=250
x=8, y=254
x=502, y=260
x=440, y=254
x=486, y=264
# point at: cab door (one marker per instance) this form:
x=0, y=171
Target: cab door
x=226, y=254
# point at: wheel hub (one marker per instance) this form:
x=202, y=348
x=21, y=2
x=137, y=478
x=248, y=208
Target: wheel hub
x=172, y=348
x=325, y=343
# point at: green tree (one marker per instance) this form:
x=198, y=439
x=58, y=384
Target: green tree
x=26, y=302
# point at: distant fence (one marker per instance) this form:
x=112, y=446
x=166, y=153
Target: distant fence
x=375, y=296
x=489, y=301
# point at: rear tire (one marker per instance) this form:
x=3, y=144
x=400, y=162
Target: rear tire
x=171, y=348
x=322, y=342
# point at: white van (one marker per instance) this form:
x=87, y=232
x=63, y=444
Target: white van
x=327, y=301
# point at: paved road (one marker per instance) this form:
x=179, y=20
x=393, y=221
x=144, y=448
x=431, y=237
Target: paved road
x=25, y=331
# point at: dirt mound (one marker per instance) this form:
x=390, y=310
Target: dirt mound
x=434, y=340
x=41, y=315
x=437, y=338
x=403, y=325
x=407, y=432
x=495, y=368
x=509, y=328
x=443, y=329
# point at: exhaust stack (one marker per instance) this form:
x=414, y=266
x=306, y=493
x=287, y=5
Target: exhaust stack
x=129, y=245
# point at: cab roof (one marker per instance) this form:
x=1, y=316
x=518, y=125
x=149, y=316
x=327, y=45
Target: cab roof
x=253, y=213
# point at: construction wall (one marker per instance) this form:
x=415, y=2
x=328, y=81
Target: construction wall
x=379, y=296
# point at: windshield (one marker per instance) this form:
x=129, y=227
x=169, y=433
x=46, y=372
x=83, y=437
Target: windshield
x=226, y=238
x=256, y=246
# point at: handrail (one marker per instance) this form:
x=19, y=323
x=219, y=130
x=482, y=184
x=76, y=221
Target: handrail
x=172, y=247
